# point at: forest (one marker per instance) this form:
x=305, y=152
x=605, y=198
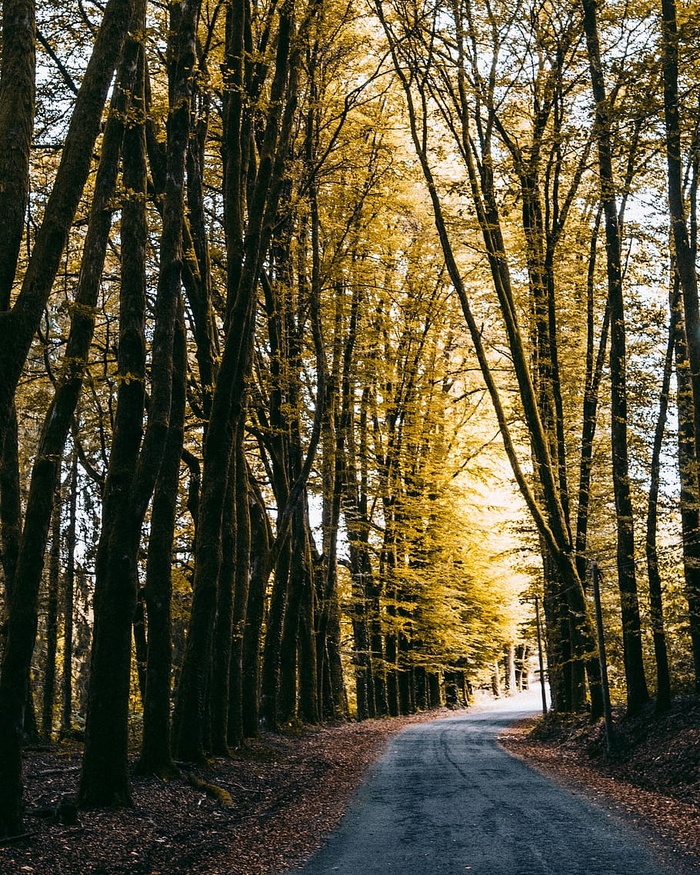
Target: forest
x=343, y=345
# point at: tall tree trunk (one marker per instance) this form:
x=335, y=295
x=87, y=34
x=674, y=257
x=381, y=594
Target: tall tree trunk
x=49, y=691
x=270, y=679
x=223, y=626
x=637, y=693
x=69, y=602
x=10, y=517
x=155, y=745
x=261, y=536
x=663, y=676
x=308, y=657
x=104, y=778
x=140, y=642
x=298, y=616
x=18, y=326
x=243, y=560
x=690, y=489
x=14, y=684
x=684, y=256
x=595, y=363
x=17, y=104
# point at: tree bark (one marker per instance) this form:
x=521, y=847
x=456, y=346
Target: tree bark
x=18, y=326
x=637, y=693
x=663, y=675
x=228, y=399
x=223, y=627
x=69, y=602
x=690, y=489
x=243, y=560
x=104, y=779
x=17, y=103
x=261, y=536
x=49, y=691
x=684, y=256
x=22, y=627
x=155, y=745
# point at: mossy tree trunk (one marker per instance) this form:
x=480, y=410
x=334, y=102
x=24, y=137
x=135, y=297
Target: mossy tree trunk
x=135, y=464
x=77, y=154
x=155, y=746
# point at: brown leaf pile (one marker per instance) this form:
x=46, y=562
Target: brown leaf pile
x=286, y=794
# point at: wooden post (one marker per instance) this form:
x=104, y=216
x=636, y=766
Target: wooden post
x=607, y=710
x=540, y=654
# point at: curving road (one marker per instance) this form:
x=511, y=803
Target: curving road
x=445, y=799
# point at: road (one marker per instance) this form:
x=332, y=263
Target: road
x=446, y=799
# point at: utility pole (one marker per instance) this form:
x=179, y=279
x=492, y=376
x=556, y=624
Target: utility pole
x=540, y=654
x=607, y=710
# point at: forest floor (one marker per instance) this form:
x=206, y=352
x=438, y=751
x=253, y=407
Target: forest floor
x=284, y=793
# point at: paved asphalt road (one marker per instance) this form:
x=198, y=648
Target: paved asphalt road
x=445, y=799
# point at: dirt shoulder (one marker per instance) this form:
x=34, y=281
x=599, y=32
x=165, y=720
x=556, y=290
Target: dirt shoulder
x=282, y=795
x=652, y=779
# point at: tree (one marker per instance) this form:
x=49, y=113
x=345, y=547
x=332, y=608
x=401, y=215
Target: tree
x=255, y=185
x=435, y=89
x=637, y=693
x=22, y=619
x=135, y=464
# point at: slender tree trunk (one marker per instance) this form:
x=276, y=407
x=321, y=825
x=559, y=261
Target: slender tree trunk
x=637, y=693
x=261, y=536
x=18, y=326
x=421, y=688
x=308, y=657
x=594, y=372
x=244, y=545
x=140, y=642
x=69, y=602
x=49, y=691
x=511, y=682
x=104, y=777
x=10, y=515
x=684, y=256
x=223, y=627
x=690, y=489
x=391, y=655
x=273, y=639
x=407, y=692
x=300, y=579
x=361, y=572
x=17, y=103
x=434, y=688
x=155, y=746
x=14, y=685
x=663, y=676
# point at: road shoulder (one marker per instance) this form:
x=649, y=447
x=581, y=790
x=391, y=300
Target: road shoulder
x=671, y=826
